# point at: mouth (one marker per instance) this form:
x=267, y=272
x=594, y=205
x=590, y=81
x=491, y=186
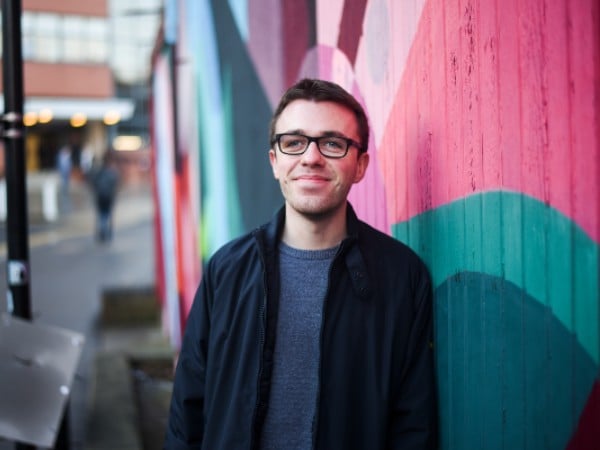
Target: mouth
x=312, y=178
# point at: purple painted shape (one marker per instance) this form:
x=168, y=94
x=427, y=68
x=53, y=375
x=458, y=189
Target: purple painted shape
x=267, y=52
x=351, y=27
x=586, y=434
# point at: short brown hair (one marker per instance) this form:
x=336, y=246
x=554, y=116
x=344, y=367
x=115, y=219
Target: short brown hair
x=323, y=91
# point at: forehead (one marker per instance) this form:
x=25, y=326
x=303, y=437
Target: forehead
x=313, y=118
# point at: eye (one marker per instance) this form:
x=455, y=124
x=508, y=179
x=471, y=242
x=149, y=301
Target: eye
x=292, y=142
x=332, y=144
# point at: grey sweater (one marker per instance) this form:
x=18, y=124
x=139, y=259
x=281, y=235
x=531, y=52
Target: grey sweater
x=292, y=401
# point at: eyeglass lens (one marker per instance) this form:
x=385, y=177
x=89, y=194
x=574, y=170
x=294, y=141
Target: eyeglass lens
x=295, y=144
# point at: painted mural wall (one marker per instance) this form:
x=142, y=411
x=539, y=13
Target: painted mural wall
x=484, y=159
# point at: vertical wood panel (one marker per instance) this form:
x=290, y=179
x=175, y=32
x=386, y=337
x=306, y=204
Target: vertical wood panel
x=558, y=168
x=472, y=162
x=509, y=144
x=456, y=419
x=533, y=116
x=558, y=178
x=491, y=220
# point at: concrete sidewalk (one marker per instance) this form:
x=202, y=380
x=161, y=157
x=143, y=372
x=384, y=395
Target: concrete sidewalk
x=77, y=216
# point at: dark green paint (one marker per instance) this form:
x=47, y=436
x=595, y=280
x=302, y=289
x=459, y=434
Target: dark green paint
x=510, y=375
x=521, y=240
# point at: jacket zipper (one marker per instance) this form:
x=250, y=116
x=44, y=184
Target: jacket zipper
x=315, y=426
x=254, y=437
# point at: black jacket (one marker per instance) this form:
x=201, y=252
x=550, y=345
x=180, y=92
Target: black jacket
x=376, y=388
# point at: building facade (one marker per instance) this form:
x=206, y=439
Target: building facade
x=68, y=83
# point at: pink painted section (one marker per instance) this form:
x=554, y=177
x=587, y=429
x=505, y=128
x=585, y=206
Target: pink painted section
x=267, y=52
x=188, y=258
x=368, y=196
x=387, y=34
x=187, y=182
x=497, y=95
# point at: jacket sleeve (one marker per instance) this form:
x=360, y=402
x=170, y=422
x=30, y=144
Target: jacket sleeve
x=413, y=423
x=185, y=428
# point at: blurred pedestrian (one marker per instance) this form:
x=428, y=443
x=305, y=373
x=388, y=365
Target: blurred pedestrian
x=64, y=166
x=104, y=181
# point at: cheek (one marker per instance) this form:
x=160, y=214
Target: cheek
x=279, y=171
x=350, y=175
x=274, y=168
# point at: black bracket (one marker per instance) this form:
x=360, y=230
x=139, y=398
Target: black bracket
x=11, y=125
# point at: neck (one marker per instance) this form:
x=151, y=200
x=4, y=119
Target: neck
x=314, y=232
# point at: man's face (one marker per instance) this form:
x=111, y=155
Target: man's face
x=312, y=184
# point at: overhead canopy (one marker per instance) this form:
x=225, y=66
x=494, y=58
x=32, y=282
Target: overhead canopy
x=92, y=108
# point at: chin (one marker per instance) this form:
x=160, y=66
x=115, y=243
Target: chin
x=317, y=211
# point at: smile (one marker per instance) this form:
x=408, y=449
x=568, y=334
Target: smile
x=316, y=178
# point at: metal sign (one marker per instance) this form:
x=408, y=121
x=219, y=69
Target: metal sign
x=37, y=365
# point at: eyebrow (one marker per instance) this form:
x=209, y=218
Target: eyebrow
x=330, y=133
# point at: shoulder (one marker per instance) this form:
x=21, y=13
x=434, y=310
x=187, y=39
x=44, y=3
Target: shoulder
x=384, y=252
x=377, y=240
x=234, y=254
x=234, y=248
x=376, y=244
x=254, y=246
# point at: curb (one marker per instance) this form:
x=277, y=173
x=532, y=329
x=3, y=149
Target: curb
x=113, y=422
x=127, y=399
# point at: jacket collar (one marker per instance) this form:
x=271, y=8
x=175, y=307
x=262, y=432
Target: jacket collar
x=273, y=229
x=350, y=249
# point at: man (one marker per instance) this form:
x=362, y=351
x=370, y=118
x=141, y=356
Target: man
x=105, y=183
x=313, y=331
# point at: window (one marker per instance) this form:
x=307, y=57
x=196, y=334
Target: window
x=49, y=37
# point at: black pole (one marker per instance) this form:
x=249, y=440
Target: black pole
x=17, y=267
x=17, y=228
x=18, y=296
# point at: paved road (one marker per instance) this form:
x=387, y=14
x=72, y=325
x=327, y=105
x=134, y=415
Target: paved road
x=69, y=271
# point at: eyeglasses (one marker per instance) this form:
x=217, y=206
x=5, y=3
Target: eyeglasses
x=329, y=146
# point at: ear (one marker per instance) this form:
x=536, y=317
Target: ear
x=361, y=166
x=273, y=161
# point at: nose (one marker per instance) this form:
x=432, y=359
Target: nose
x=312, y=155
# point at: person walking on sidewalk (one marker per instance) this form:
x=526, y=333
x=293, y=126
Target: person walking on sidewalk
x=104, y=182
x=313, y=331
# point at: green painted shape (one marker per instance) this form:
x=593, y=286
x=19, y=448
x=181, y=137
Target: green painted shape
x=521, y=240
x=221, y=210
x=233, y=199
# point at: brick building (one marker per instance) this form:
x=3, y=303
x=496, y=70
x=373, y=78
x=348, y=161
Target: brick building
x=68, y=83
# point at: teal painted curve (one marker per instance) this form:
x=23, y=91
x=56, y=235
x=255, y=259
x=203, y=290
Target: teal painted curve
x=521, y=240
x=510, y=375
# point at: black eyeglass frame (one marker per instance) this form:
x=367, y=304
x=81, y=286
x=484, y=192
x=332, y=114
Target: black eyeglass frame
x=349, y=142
